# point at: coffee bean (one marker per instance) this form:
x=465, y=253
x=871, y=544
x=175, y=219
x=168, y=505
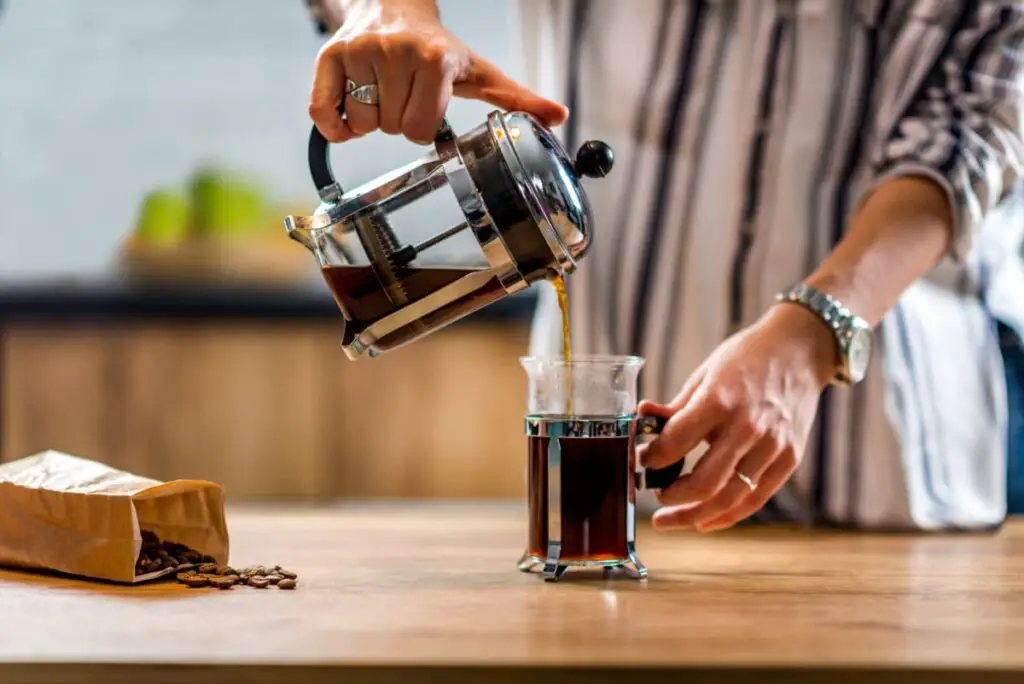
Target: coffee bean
x=196, y=581
x=184, y=576
x=192, y=556
x=222, y=582
x=287, y=574
x=286, y=584
x=228, y=570
x=259, y=582
x=208, y=568
x=149, y=537
x=208, y=559
x=274, y=579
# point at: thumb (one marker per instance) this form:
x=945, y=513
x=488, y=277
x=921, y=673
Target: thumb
x=653, y=408
x=486, y=82
x=684, y=432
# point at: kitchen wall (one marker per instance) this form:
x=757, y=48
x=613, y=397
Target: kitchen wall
x=102, y=100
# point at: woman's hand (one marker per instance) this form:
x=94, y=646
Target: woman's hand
x=754, y=401
x=417, y=65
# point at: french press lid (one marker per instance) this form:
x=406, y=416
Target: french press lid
x=547, y=182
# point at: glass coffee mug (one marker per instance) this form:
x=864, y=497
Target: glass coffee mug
x=582, y=429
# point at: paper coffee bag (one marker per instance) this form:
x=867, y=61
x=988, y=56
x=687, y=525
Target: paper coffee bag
x=72, y=515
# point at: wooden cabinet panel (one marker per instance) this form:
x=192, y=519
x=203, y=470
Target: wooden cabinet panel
x=61, y=390
x=274, y=411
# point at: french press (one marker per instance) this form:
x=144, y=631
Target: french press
x=482, y=216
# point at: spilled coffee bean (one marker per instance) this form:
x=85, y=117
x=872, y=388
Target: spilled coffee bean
x=226, y=577
x=195, y=581
x=223, y=581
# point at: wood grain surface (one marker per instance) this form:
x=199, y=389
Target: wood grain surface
x=429, y=592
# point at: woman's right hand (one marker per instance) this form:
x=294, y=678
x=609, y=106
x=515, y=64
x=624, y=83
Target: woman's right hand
x=417, y=65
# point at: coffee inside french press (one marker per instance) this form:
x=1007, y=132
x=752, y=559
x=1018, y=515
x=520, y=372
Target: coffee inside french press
x=495, y=210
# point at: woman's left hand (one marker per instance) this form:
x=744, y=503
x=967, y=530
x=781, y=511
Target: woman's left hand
x=753, y=400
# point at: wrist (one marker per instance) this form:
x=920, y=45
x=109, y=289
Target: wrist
x=814, y=342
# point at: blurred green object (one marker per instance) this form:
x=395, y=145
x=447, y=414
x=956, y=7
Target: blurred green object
x=163, y=217
x=225, y=204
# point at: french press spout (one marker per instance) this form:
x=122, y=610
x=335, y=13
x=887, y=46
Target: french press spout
x=482, y=216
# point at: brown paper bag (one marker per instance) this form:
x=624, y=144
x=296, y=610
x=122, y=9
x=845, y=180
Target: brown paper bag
x=60, y=512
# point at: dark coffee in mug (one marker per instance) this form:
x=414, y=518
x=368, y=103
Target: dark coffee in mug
x=595, y=494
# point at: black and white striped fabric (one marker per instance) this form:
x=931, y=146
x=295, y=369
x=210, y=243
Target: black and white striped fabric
x=745, y=132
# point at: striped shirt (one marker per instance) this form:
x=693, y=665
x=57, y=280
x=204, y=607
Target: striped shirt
x=745, y=132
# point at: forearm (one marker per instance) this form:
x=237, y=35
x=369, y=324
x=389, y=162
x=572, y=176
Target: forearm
x=897, y=235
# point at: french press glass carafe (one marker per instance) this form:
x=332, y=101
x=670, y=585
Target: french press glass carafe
x=482, y=216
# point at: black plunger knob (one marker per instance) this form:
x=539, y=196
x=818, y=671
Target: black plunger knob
x=595, y=159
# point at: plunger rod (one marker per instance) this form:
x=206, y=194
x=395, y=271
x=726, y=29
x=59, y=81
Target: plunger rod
x=406, y=254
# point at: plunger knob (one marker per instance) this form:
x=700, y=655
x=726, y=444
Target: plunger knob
x=594, y=159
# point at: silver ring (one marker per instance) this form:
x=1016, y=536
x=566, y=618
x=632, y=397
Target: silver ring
x=364, y=94
x=747, y=481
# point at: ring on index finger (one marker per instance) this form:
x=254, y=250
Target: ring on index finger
x=366, y=94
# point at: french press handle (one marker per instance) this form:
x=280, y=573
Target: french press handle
x=320, y=154
x=656, y=478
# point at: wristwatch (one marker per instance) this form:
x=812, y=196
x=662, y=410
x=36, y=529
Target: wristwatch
x=852, y=333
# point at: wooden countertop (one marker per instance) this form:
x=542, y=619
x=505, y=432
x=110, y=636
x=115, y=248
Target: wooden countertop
x=429, y=592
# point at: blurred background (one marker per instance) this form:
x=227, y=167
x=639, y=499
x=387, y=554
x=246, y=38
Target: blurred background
x=153, y=314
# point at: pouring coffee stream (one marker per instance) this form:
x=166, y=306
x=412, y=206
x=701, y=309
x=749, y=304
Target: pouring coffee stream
x=507, y=209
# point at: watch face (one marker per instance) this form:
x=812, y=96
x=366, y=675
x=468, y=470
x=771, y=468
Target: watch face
x=859, y=354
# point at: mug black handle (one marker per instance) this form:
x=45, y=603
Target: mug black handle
x=320, y=154
x=656, y=478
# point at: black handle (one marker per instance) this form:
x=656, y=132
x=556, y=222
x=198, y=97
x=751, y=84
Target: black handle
x=320, y=154
x=657, y=478
x=320, y=158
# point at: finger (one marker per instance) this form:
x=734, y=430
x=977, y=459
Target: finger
x=326, y=95
x=770, y=482
x=486, y=82
x=360, y=60
x=754, y=465
x=688, y=390
x=717, y=469
x=684, y=432
x=428, y=99
x=651, y=408
x=395, y=83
